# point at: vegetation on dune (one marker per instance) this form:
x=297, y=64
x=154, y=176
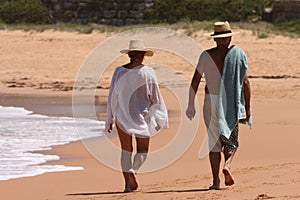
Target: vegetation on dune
x=23, y=11
x=172, y=11
x=190, y=15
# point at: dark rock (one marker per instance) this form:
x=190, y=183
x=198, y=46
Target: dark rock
x=113, y=12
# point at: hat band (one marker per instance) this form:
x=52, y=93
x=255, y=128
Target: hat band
x=221, y=32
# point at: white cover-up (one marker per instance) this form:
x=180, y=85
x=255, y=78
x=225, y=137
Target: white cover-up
x=135, y=101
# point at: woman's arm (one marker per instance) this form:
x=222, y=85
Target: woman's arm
x=109, y=115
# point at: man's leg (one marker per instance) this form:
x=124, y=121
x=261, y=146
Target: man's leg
x=215, y=159
x=215, y=149
x=226, y=169
x=230, y=147
x=214, y=142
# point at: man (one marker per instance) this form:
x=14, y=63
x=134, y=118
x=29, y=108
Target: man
x=227, y=98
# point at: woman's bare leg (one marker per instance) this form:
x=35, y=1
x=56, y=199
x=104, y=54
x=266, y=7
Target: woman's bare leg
x=142, y=152
x=126, y=159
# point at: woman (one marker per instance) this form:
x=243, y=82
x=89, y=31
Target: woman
x=136, y=107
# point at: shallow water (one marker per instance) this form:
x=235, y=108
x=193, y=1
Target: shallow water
x=22, y=132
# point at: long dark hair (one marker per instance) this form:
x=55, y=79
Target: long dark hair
x=133, y=55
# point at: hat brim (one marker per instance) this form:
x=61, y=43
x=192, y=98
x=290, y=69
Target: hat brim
x=220, y=35
x=148, y=52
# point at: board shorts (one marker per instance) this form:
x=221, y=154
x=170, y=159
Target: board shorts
x=217, y=142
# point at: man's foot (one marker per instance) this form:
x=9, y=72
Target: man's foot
x=126, y=190
x=132, y=181
x=214, y=187
x=228, y=177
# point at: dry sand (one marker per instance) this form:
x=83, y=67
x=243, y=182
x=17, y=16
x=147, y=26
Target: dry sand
x=36, y=67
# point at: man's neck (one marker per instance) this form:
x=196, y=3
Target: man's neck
x=222, y=48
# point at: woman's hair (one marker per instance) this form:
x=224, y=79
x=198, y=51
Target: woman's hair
x=133, y=55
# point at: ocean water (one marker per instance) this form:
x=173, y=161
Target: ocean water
x=22, y=132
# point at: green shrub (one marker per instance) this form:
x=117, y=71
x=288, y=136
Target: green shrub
x=23, y=11
x=166, y=11
x=292, y=26
x=171, y=11
x=262, y=35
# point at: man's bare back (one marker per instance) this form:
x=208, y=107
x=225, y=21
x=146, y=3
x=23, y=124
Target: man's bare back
x=218, y=55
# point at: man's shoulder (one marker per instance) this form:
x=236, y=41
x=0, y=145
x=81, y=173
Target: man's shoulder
x=211, y=49
x=208, y=52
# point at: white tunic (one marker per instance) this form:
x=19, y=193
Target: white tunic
x=135, y=101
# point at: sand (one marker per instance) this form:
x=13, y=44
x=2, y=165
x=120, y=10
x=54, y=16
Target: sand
x=40, y=68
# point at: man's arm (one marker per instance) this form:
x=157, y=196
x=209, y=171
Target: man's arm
x=190, y=112
x=247, y=94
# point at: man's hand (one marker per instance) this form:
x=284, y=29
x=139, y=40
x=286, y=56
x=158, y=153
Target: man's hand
x=248, y=115
x=190, y=112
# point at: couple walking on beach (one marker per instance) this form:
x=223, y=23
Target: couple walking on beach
x=137, y=108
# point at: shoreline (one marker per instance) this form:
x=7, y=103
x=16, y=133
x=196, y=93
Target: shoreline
x=45, y=103
x=58, y=107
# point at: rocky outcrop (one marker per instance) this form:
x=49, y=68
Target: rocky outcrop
x=113, y=12
x=286, y=9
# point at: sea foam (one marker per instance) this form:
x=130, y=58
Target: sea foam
x=22, y=133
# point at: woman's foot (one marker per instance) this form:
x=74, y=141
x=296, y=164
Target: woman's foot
x=132, y=180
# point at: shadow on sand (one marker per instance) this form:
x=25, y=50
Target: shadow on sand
x=95, y=193
x=178, y=191
x=146, y=192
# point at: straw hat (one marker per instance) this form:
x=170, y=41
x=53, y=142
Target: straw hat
x=221, y=30
x=138, y=45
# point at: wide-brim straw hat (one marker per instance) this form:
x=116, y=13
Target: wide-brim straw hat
x=221, y=30
x=138, y=45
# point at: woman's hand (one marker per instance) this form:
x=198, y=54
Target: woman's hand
x=109, y=128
